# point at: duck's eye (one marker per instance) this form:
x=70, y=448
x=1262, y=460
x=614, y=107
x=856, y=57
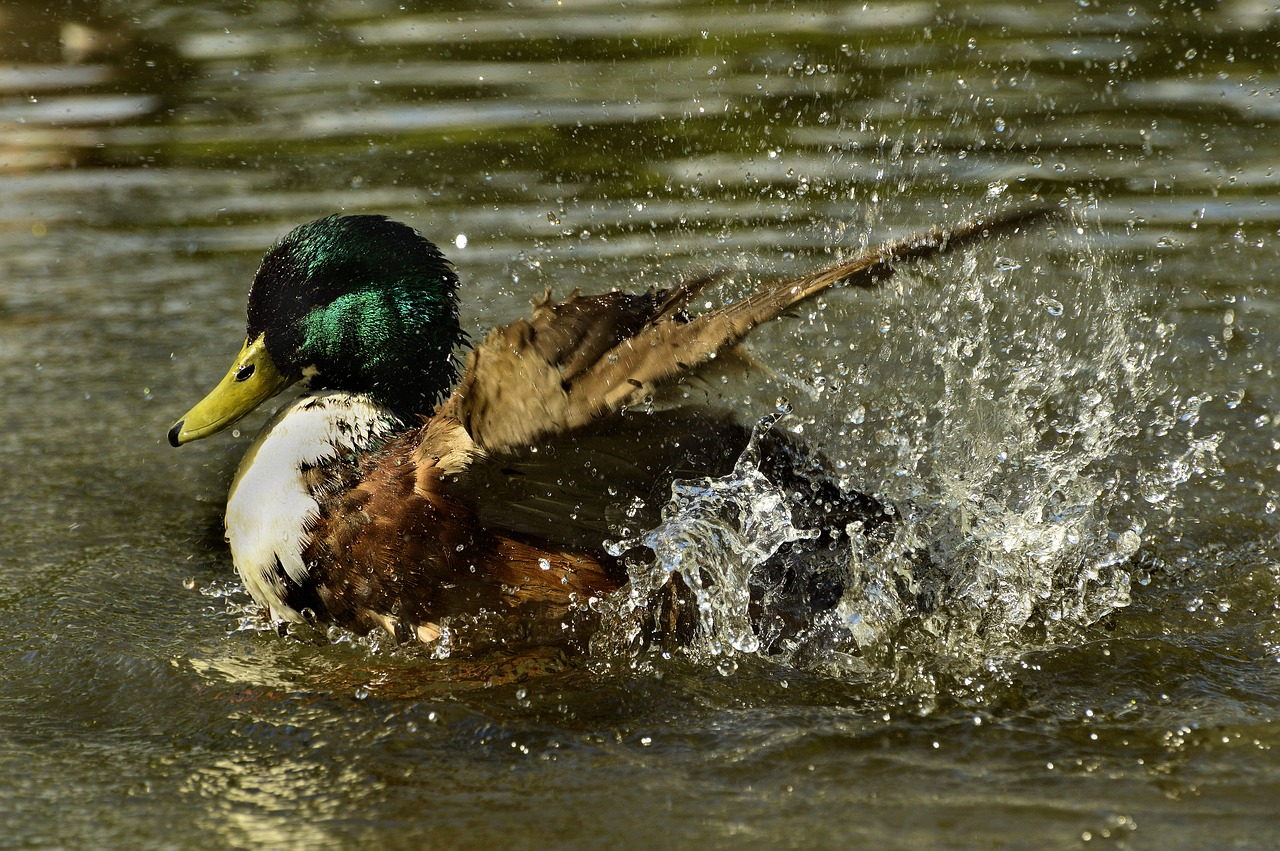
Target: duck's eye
x=244, y=372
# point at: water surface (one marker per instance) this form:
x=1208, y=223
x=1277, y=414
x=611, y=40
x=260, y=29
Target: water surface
x=1080, y=424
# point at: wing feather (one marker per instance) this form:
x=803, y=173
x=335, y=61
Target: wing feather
x=563, y=377
x=587, y=358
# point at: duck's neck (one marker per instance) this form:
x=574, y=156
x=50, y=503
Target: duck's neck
x=271, y=507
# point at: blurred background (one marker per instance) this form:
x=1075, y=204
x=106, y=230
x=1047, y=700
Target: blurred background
x=1082, y=423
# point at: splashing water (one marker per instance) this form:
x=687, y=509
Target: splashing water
x=715, y=532
x=1008, y=415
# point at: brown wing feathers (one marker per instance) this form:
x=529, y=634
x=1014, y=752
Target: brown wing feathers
x=665, y=349
x=584, y=359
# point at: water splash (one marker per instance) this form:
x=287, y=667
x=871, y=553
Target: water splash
x=1007, y=412
x=715, y=533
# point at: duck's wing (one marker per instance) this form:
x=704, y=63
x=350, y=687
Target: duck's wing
x=664, y=351
x=607, y=480
x=586, y=359
x=533, y=431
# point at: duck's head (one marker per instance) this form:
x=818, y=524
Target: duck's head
x=355, y=303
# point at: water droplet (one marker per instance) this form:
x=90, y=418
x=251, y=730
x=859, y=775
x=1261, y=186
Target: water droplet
x=1153, y=493
x=544, y=564
x=1127, y=544
x=1051, y=305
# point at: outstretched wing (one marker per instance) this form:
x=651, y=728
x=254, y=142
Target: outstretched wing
x=587, y=358
x=532, y=436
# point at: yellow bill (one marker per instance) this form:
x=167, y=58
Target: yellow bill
x=252, y=379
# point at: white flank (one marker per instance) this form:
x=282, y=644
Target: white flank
x=269, y=510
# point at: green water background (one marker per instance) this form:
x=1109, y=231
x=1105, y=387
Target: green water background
x=149, y=153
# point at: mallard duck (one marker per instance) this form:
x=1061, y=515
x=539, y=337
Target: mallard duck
x=404, y=486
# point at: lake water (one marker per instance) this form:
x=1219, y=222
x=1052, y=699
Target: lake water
x=1080, y=424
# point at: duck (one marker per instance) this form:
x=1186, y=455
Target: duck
x=419, y=477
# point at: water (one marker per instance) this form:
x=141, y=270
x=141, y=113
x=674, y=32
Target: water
x=1078, y=426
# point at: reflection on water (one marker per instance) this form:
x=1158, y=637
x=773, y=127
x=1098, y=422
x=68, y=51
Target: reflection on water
x=1079, y=428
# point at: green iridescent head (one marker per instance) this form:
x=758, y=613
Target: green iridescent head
x=355, y=303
